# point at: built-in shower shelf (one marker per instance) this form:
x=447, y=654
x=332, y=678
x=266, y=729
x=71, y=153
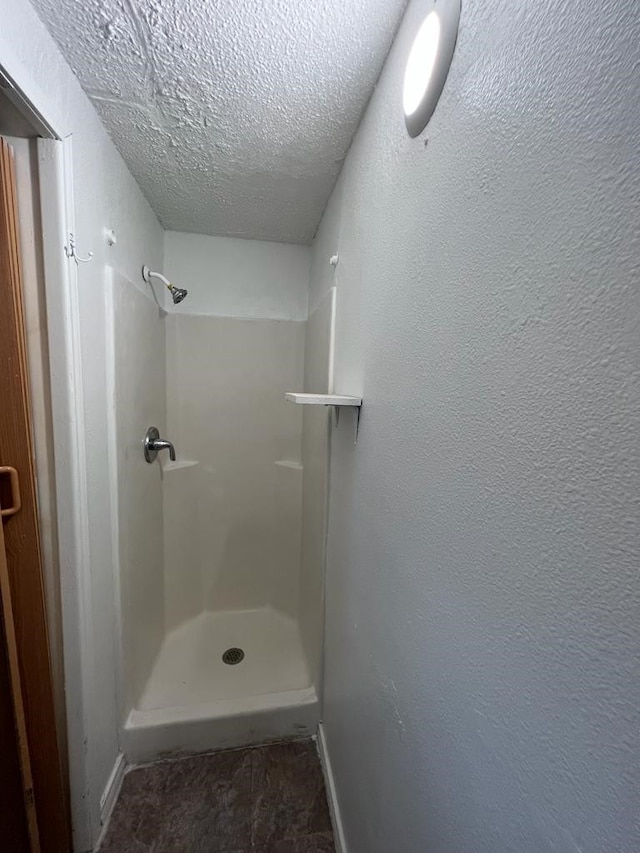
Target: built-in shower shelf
x=179, y=464
x=337, y=401
x=323, y=399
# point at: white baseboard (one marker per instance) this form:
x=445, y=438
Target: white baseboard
x=334, y=807
x=110, y=793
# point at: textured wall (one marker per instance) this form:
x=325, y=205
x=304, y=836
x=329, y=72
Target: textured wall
x=226, y=277
x=234, y=116
x=105, y=195
x=482, y=691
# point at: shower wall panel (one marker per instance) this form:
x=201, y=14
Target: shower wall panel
x=232, y=277
x=138, y=399
x=318, y=379
x=242, y=508
x=187, y=506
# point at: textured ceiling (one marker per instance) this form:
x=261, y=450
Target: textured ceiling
x=233, y=115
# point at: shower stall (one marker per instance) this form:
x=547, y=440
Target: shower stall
x=221, y=551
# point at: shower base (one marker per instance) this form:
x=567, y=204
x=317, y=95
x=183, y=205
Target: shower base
x=194, y=702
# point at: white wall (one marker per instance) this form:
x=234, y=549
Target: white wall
x=228, y=277
x=105, y=196
x=234, y=346
x=482, y=606
x=226, y=411
x=322, y=273
x=316, y=430
x=138, y=389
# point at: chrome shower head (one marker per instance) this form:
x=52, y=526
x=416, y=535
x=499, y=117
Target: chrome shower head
x=177, y=294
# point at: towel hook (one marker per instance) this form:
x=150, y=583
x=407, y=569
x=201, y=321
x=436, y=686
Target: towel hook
x=71, y=252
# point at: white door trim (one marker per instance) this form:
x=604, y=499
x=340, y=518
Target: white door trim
x=63, y=325
x=55, y=167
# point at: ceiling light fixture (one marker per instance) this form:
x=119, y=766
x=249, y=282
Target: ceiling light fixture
x=428, y=64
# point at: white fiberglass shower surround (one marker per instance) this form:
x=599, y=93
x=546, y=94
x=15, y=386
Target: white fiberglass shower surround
x=222, y=548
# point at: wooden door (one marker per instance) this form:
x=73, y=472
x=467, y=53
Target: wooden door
x=22, y=543
x=18, y=818
x=14, y=833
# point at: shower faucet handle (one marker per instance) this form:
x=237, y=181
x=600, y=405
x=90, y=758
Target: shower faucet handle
x=153, y=443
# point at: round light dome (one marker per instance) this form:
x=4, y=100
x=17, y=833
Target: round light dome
x=428, y=64
x=420, y=63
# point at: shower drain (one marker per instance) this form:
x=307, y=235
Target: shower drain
x=232, y=656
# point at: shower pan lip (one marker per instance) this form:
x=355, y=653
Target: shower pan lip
x=221, y=724
x=193, y=702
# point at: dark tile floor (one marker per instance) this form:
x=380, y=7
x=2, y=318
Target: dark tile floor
x=270, y=799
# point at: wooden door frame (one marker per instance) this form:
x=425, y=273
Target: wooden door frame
x=55, y=162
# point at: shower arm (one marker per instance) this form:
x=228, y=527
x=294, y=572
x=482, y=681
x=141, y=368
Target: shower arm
x=151, y=273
